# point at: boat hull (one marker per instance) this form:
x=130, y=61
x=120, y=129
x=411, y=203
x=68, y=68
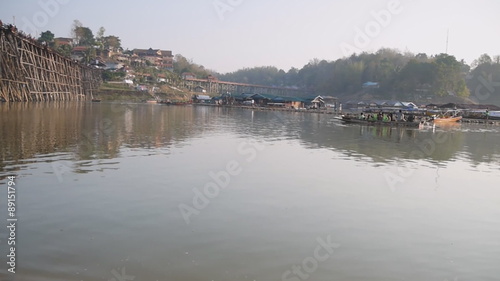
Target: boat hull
x=447, y=120
x=350, y=120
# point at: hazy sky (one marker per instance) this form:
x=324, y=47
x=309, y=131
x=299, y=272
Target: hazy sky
x=226, y=35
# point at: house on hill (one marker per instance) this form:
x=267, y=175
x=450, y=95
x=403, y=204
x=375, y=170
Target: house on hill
x=188, y=75
x=78, y=52
x=161, y=58
x=61, y=41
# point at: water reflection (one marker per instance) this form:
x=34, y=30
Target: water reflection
x=122, y=170
x=90, y=131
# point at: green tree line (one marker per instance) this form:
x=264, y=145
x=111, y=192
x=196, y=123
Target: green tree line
x=397, y=75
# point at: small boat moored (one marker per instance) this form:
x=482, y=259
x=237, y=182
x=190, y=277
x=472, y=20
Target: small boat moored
x=451, y=116
x=355, y=120
x=448, y=119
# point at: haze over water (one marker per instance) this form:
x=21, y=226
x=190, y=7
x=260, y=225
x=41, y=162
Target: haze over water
x=103, y=189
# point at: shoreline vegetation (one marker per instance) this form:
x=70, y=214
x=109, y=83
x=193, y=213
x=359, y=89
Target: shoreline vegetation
x=386, y=74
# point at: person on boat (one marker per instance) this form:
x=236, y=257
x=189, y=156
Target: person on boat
x=362, y=116
x=380, y=116
x=411, y=118
x=487, y=113
x=401, y=116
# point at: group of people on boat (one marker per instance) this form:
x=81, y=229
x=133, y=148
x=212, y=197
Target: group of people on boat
x=387, y=117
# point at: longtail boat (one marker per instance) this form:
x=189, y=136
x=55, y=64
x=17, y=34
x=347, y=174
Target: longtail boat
x=355, y=120
x=447, y=119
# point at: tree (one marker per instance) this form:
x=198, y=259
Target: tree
x=89, y=56
x=449, y=78
x=291, y=77
x=112, y=42
x=82, y=36
x=76, y=24
x=483, y=59
x=483, y=82
x=100, y=32
x=64, y=50
x=99, y=38
x=47, y=37
x=182, y=64
x=416, y=75
x=421, y=57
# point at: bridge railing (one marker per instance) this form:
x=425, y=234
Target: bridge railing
x=30, y=71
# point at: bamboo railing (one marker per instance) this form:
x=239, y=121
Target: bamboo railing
x=30, y=71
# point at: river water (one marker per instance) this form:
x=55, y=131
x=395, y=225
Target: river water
x=150, y=192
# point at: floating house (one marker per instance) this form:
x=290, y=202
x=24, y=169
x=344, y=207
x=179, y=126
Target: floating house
x=314, y=102
x=202, y=99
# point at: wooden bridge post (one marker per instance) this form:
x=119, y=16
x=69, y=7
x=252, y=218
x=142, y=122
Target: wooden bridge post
x=30, y=71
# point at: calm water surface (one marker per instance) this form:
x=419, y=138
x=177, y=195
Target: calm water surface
x=151, y=192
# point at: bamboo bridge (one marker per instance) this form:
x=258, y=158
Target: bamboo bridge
x=30, y=71
x=215, y=86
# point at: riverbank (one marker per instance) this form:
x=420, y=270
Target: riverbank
x=123, y=93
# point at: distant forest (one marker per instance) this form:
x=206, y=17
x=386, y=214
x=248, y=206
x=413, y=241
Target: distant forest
x=395, y=75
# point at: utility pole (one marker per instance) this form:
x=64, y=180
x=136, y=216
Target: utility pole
x=447, y=39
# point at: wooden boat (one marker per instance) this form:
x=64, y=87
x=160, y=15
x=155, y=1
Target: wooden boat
x=450, y=116
x=446, y=119
x=355, y=120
